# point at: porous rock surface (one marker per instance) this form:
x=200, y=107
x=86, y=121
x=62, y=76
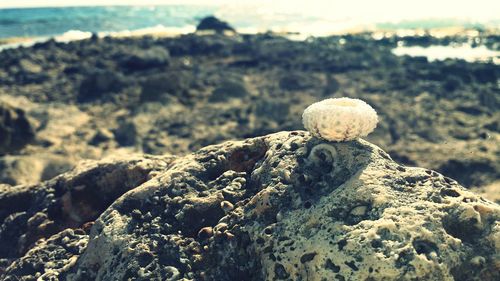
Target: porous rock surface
x=65, y=205
x=284, y=206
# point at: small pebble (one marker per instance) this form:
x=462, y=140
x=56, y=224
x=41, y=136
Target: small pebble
x=226, y=206
x=205, y=232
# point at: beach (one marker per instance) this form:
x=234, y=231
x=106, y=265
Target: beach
x=142, y=102
x=254, y=73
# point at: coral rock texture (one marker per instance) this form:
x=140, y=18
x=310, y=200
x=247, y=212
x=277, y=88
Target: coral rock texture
x=285, y=206
x=340, y=119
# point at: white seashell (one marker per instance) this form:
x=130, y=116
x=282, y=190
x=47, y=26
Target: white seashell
x=340, y=119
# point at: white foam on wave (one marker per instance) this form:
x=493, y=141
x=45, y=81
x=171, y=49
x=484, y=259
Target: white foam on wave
x=158, y=30
x=76, y=35
x=72, y=35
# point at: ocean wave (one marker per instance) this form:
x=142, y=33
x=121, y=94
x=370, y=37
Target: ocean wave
x=158, y=30
x=76, y=35
x=72, y=35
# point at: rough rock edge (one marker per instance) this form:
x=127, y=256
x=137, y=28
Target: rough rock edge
x=72, y=200
x=290, y=206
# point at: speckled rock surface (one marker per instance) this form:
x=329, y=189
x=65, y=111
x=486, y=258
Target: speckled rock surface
x=71, y=201
x=280, y=207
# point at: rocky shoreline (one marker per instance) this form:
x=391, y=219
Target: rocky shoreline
x=285, y=206
x=151, y=106
x=176, y=95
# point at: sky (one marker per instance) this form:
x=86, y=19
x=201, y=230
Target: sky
x=480, y=10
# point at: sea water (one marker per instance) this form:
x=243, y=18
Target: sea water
x=26, y=26
x=44, y=22
x=437, y=52
x=247, y=18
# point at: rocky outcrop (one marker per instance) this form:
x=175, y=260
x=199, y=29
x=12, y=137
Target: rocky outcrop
x=146, y=58
x=279, y=207
x=177, y=95
x=33, y=212
x=32, y=169
x=214, y=24
x=98, y=83
x=15, y=129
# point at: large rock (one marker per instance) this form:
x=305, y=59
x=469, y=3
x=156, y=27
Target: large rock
x=99, y=82
x=32, y=169
x=30, y=72
x=228, y=89
x=15, y=129
x=280, y=207
x=161, y=85
x=31, y=212
x=139, y=59
x=215, y=24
